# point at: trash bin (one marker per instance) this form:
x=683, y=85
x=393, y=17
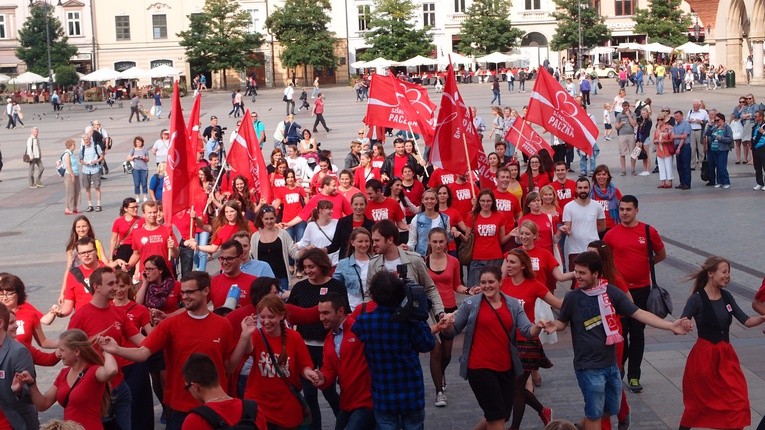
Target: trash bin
x=730, y=79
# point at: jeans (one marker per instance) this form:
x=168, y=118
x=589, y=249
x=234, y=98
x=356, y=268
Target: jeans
x=497, y=97
x=312, y=395
x=157, y=110
x=121, y=405
x=521, y=85
x=634, y=335
x=320, y=119
x=134, y=111
x=139, y=181
x=142, y=405
x=586, y=98
x=200, y=257
x=718, y=167
x=511, y=85
x=290, y=106
x=602, y=390
x=410, y=421
x=684, y=165
x=296, y=233
x=357, y=419
x=314, y=92
x=660, y=85
x=758, y=159
x=584, y=157
x=639, y=86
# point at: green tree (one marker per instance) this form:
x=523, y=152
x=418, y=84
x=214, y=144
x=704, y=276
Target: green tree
x=488, y=29
x=220, y=37
x=66, y=76
x=33, y=43
x=393, y=36
x=663, y=22
x=301, y=26
x=566, y=37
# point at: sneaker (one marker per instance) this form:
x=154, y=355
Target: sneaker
x=546, y=416
x=624, y=425
x=644, y=173
x=718, y=185
x=634, y=385
x=725, y=187
x=440, y=399
x=98, y=208
x=757, y=187
x=89, y=209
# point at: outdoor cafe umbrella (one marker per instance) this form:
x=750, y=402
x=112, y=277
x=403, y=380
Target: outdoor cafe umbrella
x=135, y=73
x=494, y=57
x=420, y=61
x=693, y=48
x=101, y=75
x=28, y=78
x=164, y=71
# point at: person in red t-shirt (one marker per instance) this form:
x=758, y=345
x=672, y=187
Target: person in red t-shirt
x=543, y=262
x=394, y=163
x=84, y=367
x=29, y=319
x=441, y=177
x=76, y=294
x=413, y=189
x=488, y=226
x=229, y=221
x=629, y=244
x=121, y=242
x=346, y=363
x=463, y=193
x=101, y=318
x=195, y=330
x=565, y=189
x=230, y=260
x=445, y=272
x=152, y=239
x=328, y=191
x=507, y=201
x=547, y=224
x=456, y=221
x=378, y=155
x=324, y=171
x=201, y=378
x=289, y=198
x=535, y=176
x=489, y=362
x=365, y=171
x=286, y=350
x=380, y=207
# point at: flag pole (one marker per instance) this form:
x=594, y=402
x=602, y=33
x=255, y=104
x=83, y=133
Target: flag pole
x=417, y=147
x=470, y=168
x=191, y=227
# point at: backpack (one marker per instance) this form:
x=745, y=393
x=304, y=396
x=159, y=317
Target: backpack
x=82, y=152
x=247, y=422
x=60, y=168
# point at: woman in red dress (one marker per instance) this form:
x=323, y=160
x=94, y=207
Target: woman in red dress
x=715, y=393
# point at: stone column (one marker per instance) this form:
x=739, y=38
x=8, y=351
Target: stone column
x=757, y=56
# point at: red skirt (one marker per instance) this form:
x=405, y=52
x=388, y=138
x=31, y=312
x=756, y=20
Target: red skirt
x=715, y=394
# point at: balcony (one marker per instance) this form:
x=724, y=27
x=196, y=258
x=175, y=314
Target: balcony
x=455, y=20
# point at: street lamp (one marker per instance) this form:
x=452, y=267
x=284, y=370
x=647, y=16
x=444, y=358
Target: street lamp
x=47, y=34
x=579, y=21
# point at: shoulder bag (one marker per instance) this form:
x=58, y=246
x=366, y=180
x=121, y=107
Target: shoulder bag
x=659, y=302
x=465, y=251
x=306, y=409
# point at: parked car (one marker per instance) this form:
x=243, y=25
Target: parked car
x=602, y=70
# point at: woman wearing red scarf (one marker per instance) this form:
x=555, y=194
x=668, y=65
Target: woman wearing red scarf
x=605, y=192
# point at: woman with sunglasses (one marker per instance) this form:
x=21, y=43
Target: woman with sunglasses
x=519, y=282
x=13, y=295
x=665, y=150
x=272, y=245
x=121, y=241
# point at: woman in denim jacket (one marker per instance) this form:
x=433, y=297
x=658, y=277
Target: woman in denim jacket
x=426, y=220
x=352, y=271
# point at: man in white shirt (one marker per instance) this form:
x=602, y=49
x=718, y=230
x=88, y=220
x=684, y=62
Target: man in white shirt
x=583, y=219
x=161, y=146
x=35, y=159
x=289, y=98
x=697, y=118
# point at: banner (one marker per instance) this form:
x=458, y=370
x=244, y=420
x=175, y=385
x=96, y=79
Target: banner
x=181, y=183
x=525, y=139
x=394, y=103
x=554, y=109
x=193, y=124
x=245, y=158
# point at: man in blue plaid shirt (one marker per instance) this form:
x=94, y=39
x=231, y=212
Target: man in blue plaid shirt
x=392, y=348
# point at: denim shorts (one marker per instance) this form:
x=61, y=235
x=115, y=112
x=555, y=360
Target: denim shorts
x=602, y=391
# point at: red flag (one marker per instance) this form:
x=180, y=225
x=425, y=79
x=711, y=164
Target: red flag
x=454, y=123
x=526, y=139
x=193, y=124
x=398, y=104
x=554, y=109
x=181, y=184
x=245, y=158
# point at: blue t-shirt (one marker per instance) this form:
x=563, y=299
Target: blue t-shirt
x=683, y=127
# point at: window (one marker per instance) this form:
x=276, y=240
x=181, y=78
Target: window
x=159, y=26
x=624, y=7
x=364, y=12
x=533, y=4
x=73, y=24
x=3, y=32
x=459, y=6
x=122, y=25
x=429, y=14
x=254, y=20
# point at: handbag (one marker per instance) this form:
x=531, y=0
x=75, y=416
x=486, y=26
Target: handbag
x=465, y=250
x=705, y=169
x=659, y=302
x=26, y=157
x=303, y=403
x=127, y=167
x=543, y=312
x=284, y=99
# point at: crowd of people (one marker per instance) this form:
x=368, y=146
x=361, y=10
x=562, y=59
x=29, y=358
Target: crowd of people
x=311, y=284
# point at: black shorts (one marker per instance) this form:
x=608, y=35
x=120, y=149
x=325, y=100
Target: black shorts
x=494, y=392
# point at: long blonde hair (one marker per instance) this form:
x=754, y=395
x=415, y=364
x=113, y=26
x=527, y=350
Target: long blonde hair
x=76, y=340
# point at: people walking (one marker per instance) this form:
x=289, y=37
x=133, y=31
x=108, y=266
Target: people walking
x=33, y=156
x=318, y=110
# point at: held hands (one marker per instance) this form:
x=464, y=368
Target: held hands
x=565, y=229
x=446, y=321
x=474, y=290
x=21, y=379
x=549, y=327
x=313, y=376
x=319, y=380
x=249, y=325
x=682, y=326
x=107, y=344
x=157, y=316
